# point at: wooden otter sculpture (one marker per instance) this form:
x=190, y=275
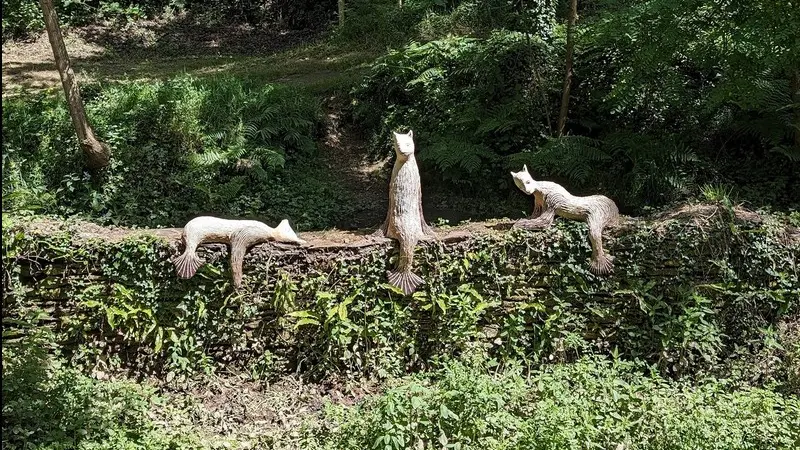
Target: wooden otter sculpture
x=404, y=219
x=239, y=234
x=598, y=211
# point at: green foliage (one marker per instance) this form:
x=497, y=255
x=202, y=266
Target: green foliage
x=468, y=100
x=713, y=78
x=48, y=405
x=21, y=18
x=383, y=23
x=180, y=147
x=657, y=108
x=298, y=14
x=693, y=299
x=592, y=403
x=378, y=24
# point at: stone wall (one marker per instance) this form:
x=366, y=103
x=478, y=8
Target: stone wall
x=692, y=288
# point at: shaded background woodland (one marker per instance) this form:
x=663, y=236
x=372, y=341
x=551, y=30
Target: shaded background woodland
x=670, y=100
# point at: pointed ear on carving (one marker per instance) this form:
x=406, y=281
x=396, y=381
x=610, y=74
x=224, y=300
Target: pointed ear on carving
x=411, y=133
x=525, y=168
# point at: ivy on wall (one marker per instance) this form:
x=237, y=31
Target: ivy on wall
x=691, y=295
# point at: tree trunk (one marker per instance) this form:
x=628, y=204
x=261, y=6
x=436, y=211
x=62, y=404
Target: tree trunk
x=562, y=115
x=97, y=153
x=341, y=12
x=795, y=86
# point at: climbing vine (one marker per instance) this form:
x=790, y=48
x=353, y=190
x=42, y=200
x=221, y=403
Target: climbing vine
x=517, y=294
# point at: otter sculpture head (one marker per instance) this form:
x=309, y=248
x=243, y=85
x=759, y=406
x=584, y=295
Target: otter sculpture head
x=284, y=233
x=404, y=144
x=524, y=180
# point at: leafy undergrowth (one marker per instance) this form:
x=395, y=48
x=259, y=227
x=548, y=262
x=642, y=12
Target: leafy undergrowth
x=222, y=145
x=699, y=291
x=471, y=403
x=48, y=405
x=591, y=403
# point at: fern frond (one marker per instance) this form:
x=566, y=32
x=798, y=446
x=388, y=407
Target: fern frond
x=226, y=192
x=434, y=73
x=207, y=158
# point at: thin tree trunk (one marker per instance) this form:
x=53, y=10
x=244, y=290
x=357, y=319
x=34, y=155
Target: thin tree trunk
x=97, y=153
x=562, y=115
x=795, y=86
x=341, y=12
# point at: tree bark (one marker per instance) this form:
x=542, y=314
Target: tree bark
x=795, y=86
x=562, y=115
x=97, y=153
x=341, y=12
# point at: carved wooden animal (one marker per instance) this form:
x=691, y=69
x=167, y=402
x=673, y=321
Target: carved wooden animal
x=239, y=234
x=404, y=219
x=552, y=199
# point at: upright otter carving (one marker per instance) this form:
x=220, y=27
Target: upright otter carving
x=404, y=219
x=598, y=211
x=240, y=234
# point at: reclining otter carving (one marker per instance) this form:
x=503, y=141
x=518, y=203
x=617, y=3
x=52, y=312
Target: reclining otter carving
x=551, y=198
x=239, y=234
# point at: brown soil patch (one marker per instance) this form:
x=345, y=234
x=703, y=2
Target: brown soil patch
x=83, y=231
x=30, y=64
x=258, y=413
x=344, y=153
x=110, y=51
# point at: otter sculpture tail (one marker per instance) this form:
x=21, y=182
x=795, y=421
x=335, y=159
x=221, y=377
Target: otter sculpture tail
x=186, y=265
x=402, y=277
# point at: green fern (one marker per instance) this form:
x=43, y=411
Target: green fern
x=573, y=157
x=767, y=113
x=455, y=157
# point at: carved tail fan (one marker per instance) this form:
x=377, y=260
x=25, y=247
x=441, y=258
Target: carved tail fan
x=187, y=264
x=406, y=280
x=602, y=265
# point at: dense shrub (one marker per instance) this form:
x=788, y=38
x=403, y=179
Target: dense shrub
x=656, y=108
x=592, y=403
x=288, y=13
x=49, y=406
x=470, y=101
x=23, y=18
x=693, y=296
x=378, y=24
x=180, y=147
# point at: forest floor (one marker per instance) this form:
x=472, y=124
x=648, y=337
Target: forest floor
x=160, y=49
